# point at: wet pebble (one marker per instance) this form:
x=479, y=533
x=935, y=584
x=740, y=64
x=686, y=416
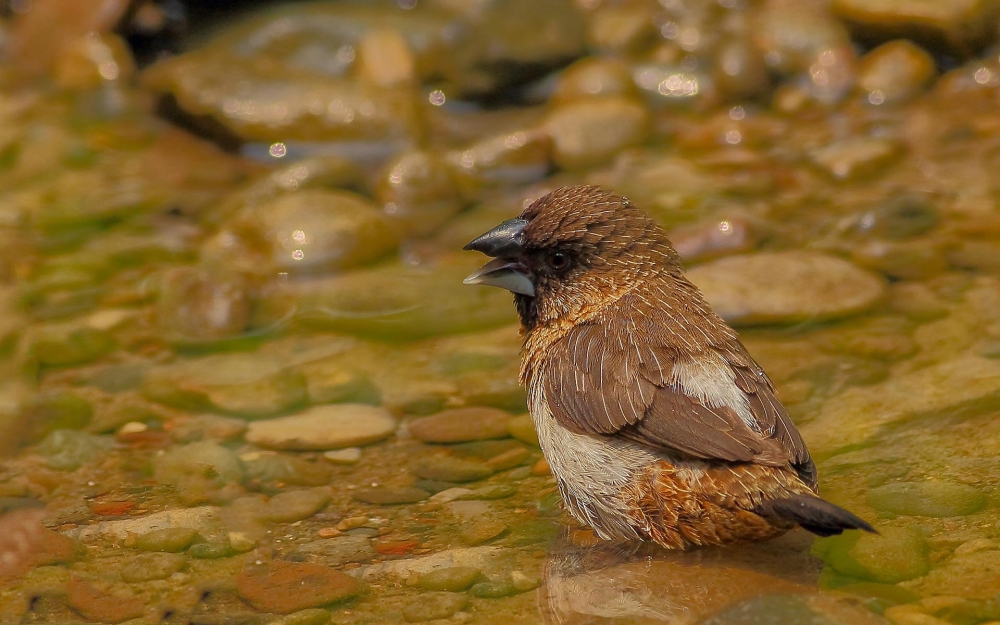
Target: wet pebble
x=170, y=539
x=195, y=306
x=274, y=467
x=350, y=455
x=461, y=425
x=895, y=71
x=385, y=495
x=245, y=384
x=332, y=426
x=149, y=566
x=418, y=193
x=522, y=428
x=311, y=616
x=891, y=556
x=68, y=450
x=588, y=132
x=296, y=505
x=285, y=587
x=101, y=603
x=198, y=469
x=784, y=287
x=209, y=551
x=434, y=605
x=451, y=469
x=494, y=589
x=532, y=532
x=511, y=158
x=451, y=579
x=508, y=459
x=481, y=531
x=594, y=77
x=857, y=157
x=339, y=550
x=487, y=493
x=933, y=498
x=207, y=426
x=956, y=27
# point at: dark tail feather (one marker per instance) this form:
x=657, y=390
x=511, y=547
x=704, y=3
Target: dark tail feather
x=814, y=514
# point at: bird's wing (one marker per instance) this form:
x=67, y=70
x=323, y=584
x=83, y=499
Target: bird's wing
x=705, y=400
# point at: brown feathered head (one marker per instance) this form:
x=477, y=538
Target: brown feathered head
x=570, y=251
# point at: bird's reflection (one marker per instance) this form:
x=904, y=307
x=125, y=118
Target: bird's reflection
x=642, y=583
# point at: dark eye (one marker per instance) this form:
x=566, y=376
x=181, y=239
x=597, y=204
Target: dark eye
x=558, y=261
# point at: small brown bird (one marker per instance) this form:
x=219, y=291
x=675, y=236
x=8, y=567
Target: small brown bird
x=656, y=422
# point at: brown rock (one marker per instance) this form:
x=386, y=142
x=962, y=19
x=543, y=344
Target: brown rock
x=461, y=425
x=284, y=587
x=100, y=603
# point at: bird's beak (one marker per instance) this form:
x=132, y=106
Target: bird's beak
x=505, y=242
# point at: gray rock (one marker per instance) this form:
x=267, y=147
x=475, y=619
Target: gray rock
x=339, y=550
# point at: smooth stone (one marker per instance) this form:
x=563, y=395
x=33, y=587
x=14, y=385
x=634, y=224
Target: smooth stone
x=198, y=465
x=274, y=467
x=206, y=426
x=779, y=609
x=339, y=550
x=895, y=72
x=959, y=27
x=964, y=383
x=532, y=532
x=67, y=345
x=419, y=193
x=149, y=566
x=509, y=459
x=101, y=603
x=385, y=495
x=793, y=36
x=431, y=606
x=786, y=287
x=310, y=616
x=206, y=520
x=297, y=505
x=332, y=426
x=481, y=531
x=451, y=579
x=589, y=132
x=891, y=556
x=350, y=455
x=900, y=217
x=460, y=425
x=319, y=230
x=857, y=157
x=285, y=587
x=491, y=492
x=522, y=427
x=390, y=302
x=451, y=469
x=508, y=159
x=171, y=539
x=244, y=384
x=196, y=306
x=68, y=450
x=933, y=498
x=385, y=59
x=58, y=410
x=973, y=575
x=333, y=382
x=494, y=590
x=594, y=77
x=209, y=551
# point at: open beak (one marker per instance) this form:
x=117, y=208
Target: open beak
x=505, y=242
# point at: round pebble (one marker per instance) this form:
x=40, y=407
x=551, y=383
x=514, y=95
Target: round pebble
x=451, y=469
x=481, y=531
x=434, y=605
x=310, y=616
x=522, y=428
x=344, y=456
x=170, y=539
x=493, y=590
x=383, y=495
x=285, y=587
x=332, y=426
x=296, y=505
x=452, y=579
x=461, y=425
x=786, y=287
x=149, y=566
x=209, y=551
x=936, y=498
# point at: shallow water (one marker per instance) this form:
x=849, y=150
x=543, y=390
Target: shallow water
x=242, y=382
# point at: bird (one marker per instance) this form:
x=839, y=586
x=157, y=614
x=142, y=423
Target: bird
x=656, y=422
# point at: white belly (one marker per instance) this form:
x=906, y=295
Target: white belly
x=592, y=470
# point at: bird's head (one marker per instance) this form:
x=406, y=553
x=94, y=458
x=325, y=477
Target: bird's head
x=570, y=252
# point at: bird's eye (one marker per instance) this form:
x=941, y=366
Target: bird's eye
x=558, y=261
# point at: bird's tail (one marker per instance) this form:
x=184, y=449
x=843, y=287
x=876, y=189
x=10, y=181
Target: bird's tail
x=814, y=514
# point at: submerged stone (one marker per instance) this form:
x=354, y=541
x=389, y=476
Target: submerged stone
x=339, y=550
x=432, y=606
x=451, y=469
x=893, y=555
x=452, y=579
x=589, y=132
x=331, y=426
x=385, y=495
x=296, y=505
x=68, y=450
x=934, y=498
x=786, y=287
x=170, y=539
x=149, y=566
x=460, y=425
x=284, y=587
